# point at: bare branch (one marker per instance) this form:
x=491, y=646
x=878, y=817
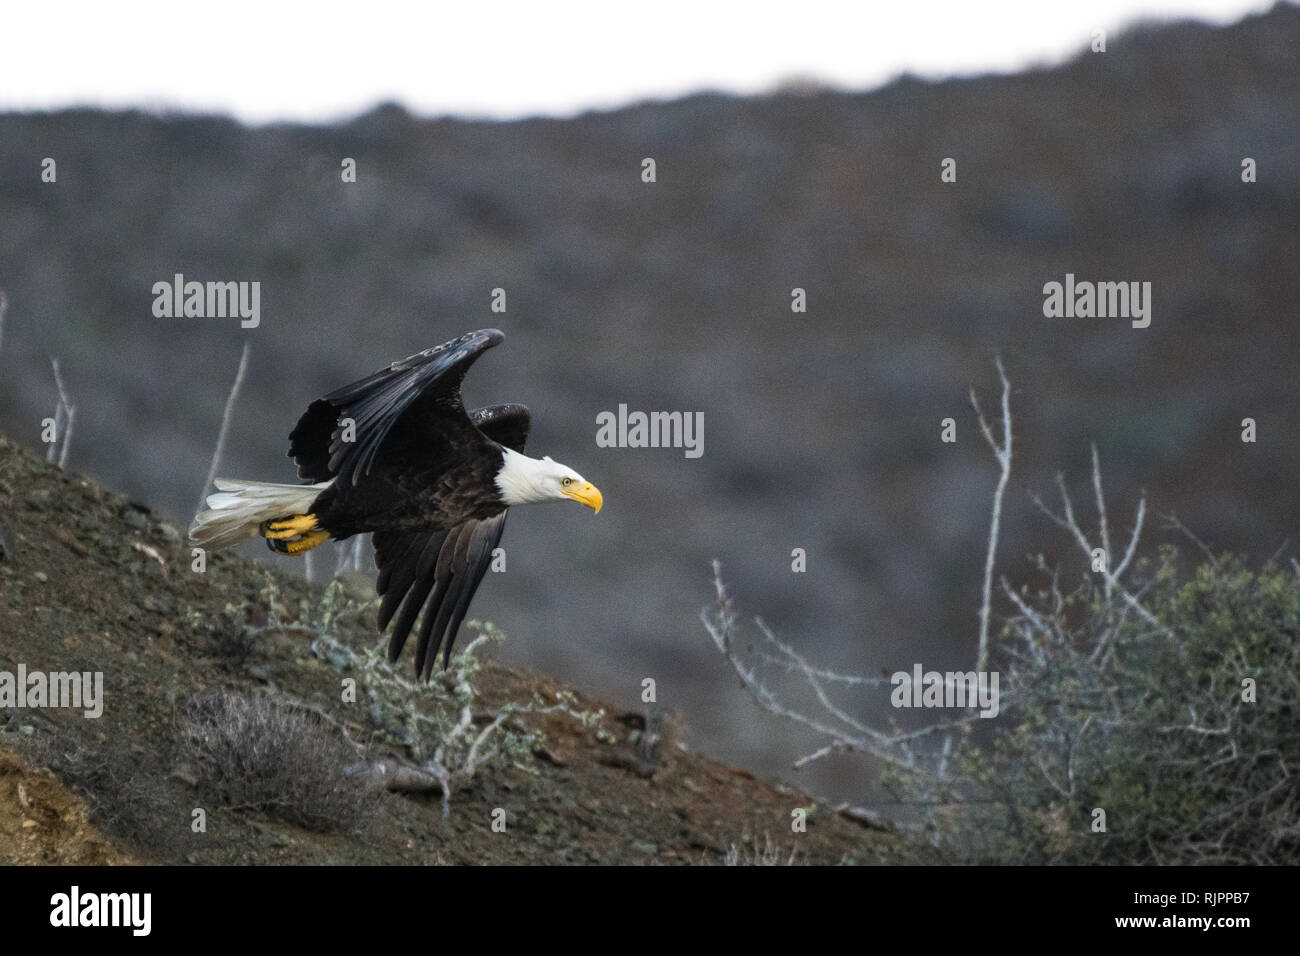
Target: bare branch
x=1031, y=615
x=1109, y=574
x=1133, y=539
x=1102, y=523
x=812, y=680
x=349, y=555
x=1002, y=452
x=1171, y=521
x=225, y=424
x=833, y=677
x=846, y=734
x=64, y=414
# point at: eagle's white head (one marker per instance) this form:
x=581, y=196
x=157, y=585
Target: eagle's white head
x=523, y=480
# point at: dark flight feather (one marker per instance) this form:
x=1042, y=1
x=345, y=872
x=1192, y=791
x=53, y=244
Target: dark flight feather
x=441, y=571
x=426, y=383
x=437, y=572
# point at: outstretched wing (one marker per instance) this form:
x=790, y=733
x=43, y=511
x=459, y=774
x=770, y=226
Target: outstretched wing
x=440, y=571
x=413, y=402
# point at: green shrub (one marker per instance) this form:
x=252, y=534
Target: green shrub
x=1153, y=723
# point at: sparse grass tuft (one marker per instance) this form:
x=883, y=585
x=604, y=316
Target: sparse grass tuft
x=749, y=853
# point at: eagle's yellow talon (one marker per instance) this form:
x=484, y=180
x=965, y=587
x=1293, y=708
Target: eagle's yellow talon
x=290, y=527
x=308, y=541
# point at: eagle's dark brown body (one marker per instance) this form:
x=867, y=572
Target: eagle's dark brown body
x=412, y=497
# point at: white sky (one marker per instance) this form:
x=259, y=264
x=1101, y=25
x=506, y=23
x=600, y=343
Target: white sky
x=326, y=60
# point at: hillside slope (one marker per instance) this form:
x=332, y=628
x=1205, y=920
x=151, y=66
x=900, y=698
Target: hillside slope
x=823, y=427
x=91, y=581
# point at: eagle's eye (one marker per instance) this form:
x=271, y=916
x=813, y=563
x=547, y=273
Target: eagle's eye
x=567, y=482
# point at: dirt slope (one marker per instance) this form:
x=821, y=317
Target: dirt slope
x=41, y=821
x=90, y=581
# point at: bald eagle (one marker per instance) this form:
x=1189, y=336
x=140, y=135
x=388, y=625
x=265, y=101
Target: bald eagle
x=396, y=454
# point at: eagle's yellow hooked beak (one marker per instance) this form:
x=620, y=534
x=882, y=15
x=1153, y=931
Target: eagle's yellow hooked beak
x=588, y=494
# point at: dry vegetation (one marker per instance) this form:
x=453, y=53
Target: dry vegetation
x=1147, y=709
x=225, y=692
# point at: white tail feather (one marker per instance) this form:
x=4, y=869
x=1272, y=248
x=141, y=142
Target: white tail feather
x=238, y=509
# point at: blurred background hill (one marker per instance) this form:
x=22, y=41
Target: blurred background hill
x=821, y=429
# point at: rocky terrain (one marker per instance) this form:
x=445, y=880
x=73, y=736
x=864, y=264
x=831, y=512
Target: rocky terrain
x=91, y=580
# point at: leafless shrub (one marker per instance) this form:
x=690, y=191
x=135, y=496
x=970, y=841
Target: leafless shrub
x=261, y=753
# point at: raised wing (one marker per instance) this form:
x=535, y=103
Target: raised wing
x=416, y=400
x=438, y=571
x=504, y=424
